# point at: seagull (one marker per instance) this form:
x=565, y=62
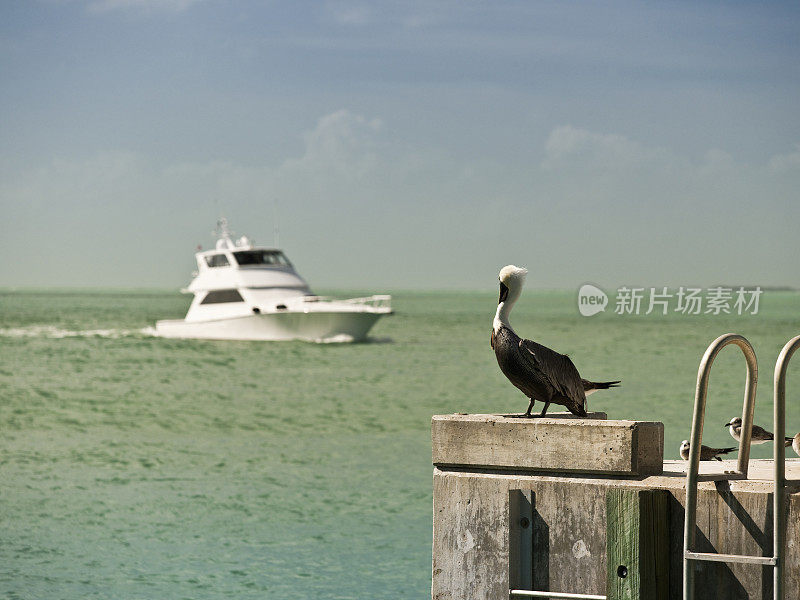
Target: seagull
x=706, y=453
x=538, y=372
x=796, y=444
x=759, y=436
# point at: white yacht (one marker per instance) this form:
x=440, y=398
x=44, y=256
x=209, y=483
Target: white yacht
x=246, y=292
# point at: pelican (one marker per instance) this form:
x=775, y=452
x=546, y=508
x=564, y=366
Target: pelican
x=706, y=452
x=537, y=371
x=759, y=435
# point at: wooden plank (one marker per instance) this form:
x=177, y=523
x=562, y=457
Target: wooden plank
x=564, y=444
x=637, y=544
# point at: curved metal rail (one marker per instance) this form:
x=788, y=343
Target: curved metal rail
x=779, y=460
x=692, y=476
x=779, y=498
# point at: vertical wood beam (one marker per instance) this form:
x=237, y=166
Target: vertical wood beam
x=637, y=544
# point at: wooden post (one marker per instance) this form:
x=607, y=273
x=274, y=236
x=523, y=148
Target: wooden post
x=637, y=544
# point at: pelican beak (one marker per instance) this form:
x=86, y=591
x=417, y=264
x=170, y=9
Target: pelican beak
x=503, y=292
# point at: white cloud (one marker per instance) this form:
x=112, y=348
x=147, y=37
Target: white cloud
x=594, y=198
x=91, y=182
x=342, y=143
x=786, y=162
x=570, y=146
x=173, y=6
x=350, y=14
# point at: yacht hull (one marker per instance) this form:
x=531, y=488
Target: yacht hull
x=319, y=326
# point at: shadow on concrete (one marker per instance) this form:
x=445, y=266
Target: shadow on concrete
x=541, y=553
x=762, y=537
x=713, y=579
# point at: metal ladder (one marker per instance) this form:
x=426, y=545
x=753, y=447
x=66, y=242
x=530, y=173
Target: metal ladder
x=692, y=476
x=779, y=499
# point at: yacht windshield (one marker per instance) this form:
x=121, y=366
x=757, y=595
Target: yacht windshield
x=222, y=296
x=261, y=257
x=217, y=260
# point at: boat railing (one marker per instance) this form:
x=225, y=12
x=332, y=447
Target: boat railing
x=375, y=301
x=379, y=302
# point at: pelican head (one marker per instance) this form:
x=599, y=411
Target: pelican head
x=511, y=280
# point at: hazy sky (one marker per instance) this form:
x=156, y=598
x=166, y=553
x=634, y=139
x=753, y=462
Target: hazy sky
x=402, y=144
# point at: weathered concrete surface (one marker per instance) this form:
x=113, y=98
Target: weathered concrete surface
x=471, y=541
x=472, y=544
x=557, y=443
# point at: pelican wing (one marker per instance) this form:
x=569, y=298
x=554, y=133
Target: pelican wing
x=556, y=369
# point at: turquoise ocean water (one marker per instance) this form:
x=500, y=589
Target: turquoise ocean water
x=139, y=467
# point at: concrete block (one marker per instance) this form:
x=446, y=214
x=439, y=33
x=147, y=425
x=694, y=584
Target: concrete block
x=478, y=537
x=557, y=443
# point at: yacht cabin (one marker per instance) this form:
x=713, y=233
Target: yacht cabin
x=238, y=279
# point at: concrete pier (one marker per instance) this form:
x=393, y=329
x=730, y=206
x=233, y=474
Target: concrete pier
x=523, y=504
x=558, y=443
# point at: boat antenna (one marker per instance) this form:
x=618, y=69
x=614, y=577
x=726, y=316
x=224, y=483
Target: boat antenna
x=275, y=235
x=222, y=231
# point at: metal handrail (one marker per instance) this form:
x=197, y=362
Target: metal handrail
x=698, y=416
x=779, y=498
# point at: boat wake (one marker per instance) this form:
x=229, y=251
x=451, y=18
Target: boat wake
x=341, y=338
x=53, y=332
x=335, y=339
